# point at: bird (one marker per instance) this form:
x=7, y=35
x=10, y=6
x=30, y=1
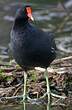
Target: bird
x=31, y=47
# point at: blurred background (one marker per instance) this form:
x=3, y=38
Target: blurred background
x=49, y=15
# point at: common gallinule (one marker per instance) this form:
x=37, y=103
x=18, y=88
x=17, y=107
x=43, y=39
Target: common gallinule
x=31, y=47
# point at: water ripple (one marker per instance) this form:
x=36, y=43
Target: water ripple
x=8, y=18
x=3, y=53
x=65, y=44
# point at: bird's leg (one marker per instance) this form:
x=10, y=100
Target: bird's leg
x=24, y=93
x=49, y=93
x=24, y=106
x=48, y=86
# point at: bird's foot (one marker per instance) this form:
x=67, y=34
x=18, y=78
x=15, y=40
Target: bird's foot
x=53, y=95
x=58, y=96
x=43, y=96
x=24, y=98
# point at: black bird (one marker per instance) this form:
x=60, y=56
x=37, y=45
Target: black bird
x=31, y=47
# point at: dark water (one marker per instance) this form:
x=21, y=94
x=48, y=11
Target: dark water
x=49, y=18
x=31, y=107
x=23, y=107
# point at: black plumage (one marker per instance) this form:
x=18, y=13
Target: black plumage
x=31, y=47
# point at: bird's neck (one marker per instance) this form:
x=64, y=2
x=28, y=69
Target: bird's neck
x=20, y=23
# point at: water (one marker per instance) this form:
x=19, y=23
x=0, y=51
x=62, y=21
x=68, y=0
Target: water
x=31, y=107
x=47, y=17
x=23, y=107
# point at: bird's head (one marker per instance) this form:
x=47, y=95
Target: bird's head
x=24, y=14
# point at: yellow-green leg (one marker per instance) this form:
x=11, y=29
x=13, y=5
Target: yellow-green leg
x=24, y=93
x=49, y=93
x=48, y=86
x=24, y=106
